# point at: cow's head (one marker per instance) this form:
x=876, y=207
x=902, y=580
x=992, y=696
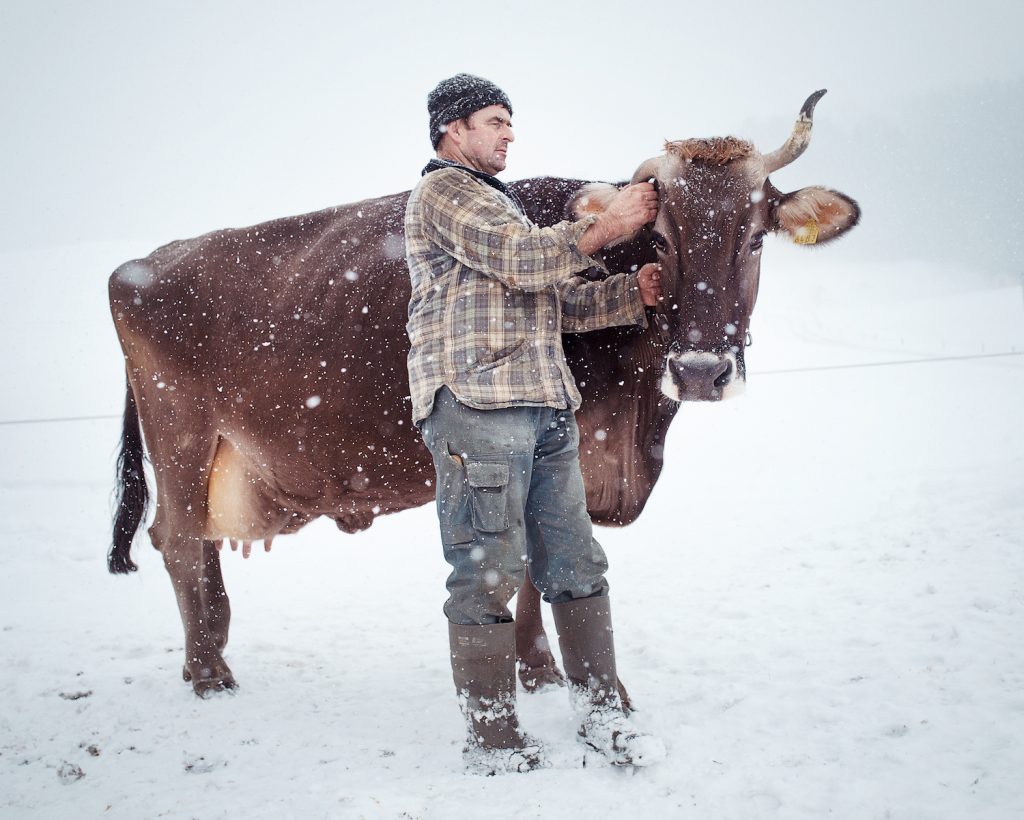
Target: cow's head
x=717, y=204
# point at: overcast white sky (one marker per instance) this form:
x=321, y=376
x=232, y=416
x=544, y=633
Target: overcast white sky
x=164, y=120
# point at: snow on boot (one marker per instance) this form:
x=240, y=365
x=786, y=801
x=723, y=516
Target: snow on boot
x=483, y=667
x=588, y=655
x=607, y=730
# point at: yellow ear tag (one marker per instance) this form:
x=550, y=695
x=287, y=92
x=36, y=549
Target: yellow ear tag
x=807, y=234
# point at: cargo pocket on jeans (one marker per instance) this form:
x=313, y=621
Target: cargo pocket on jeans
x=454, y=496
x=488, y=481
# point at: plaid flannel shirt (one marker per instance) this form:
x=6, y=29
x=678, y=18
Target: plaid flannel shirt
x=492, y=294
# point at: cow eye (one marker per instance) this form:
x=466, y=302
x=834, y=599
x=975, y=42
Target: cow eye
x=757, y=240
x=659, y=241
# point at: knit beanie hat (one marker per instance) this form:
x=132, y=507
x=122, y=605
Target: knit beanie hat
x=458, y=97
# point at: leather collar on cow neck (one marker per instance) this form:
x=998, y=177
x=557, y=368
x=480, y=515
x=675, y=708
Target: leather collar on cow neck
x=437, y=164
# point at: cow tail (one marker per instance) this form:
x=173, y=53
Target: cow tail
x=132, y=492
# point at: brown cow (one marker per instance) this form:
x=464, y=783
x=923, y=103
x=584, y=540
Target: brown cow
x=267, y=366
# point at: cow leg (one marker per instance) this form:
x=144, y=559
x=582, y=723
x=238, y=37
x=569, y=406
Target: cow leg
x=182, y=447
x=214, y=596
x=215, y=604
x=537, y=666
x=196, y=580
x=194, y=567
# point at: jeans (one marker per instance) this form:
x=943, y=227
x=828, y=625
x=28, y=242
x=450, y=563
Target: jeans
x=509, y=490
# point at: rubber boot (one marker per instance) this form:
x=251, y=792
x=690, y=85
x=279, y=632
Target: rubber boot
x=483, y=667
x=588, y=656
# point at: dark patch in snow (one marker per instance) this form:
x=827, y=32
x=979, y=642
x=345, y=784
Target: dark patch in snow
x=69, y=773
x=200, y=765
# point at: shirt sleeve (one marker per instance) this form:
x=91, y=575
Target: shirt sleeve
x=489, y=236
x=592, y=305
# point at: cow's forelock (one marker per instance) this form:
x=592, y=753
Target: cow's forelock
x=715, y=150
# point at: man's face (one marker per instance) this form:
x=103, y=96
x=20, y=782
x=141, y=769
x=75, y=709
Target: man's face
x=484, y=143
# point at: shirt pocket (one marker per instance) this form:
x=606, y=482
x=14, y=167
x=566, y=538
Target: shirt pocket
x=486, y=360
x=488, y=481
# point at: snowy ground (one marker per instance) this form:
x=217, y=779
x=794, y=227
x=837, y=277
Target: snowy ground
x=820, y=611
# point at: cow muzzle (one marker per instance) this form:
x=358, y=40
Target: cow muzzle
x=699, y=376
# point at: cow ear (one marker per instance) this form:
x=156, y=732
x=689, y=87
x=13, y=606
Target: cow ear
x=813, y=216
x=592, y=198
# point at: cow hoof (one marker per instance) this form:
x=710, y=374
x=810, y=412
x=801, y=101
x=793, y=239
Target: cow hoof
x=627, y=704
x=544, y=675
x=210, y=681
x=205, y=689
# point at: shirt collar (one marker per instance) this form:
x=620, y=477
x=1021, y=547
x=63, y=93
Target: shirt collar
x=436, y=164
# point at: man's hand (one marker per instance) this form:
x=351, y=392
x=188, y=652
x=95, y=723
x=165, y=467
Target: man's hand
x=632, y=208
x=628, y=211
x=649, y=282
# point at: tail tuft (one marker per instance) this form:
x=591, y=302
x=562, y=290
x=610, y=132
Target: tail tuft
x=132, y=492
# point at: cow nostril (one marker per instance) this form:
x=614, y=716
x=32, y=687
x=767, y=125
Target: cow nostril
x=726, y=375
x=678, y=372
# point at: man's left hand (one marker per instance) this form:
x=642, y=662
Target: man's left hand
x=649, y=282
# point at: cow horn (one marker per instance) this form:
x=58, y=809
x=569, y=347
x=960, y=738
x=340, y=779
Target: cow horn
x=648, y=170
x=798, y=140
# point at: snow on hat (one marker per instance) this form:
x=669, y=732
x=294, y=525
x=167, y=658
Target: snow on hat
x=458, y=97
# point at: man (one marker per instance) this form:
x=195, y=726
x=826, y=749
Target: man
x=494, y=400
